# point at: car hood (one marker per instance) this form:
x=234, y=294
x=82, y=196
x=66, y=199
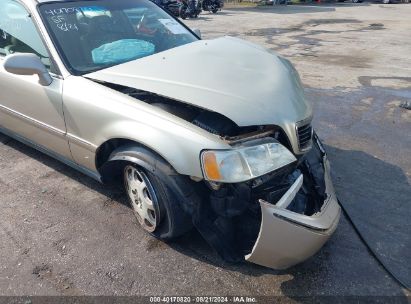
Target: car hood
x=235, y=78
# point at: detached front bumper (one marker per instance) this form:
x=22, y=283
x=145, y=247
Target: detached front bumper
x=286, y=237
x=276, y=220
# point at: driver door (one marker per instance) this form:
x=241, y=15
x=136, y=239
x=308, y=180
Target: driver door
x=28, y=109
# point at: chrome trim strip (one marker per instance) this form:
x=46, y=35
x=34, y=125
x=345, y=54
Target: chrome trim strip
x=81, y=142
x=33, y=121
x=94, y=175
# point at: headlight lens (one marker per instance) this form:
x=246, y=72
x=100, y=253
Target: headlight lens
x=242, y=164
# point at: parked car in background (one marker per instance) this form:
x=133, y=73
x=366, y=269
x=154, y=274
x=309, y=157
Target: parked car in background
x=212, y=134
x=353, y=1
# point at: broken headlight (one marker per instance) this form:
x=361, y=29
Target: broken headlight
x=245, y=163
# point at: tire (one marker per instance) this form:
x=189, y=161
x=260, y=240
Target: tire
x=214, y=10
x=155, y=206
x=386, y=1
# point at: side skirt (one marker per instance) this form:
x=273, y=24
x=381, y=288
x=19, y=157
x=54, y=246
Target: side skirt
x=94, y=175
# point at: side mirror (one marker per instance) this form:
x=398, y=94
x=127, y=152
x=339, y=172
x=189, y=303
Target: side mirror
x=27, y=64
x=197, y=32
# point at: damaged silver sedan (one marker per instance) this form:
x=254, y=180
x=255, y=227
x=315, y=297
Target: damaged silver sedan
x=212, y=134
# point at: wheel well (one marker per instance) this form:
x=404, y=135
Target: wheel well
x=110, y=170
x=105, y=150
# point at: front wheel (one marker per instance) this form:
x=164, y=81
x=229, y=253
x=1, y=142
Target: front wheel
x=154, y=205
x=142, y=197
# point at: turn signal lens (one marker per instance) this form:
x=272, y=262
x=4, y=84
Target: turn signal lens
x=210, y=166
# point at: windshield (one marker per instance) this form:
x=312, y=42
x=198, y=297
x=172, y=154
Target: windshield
x=92, y=35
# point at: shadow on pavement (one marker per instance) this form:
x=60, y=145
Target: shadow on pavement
x=281, y=9
x=113, y=192
x=377, y=197
x=295, y=9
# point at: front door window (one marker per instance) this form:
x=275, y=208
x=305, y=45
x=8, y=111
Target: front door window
x=18, y=34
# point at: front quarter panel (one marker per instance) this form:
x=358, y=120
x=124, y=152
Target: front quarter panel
x=95, y=114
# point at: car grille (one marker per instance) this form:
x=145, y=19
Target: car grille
x=304, y=135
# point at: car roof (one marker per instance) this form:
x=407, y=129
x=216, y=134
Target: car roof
x=44, y=1
x=40, y=1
